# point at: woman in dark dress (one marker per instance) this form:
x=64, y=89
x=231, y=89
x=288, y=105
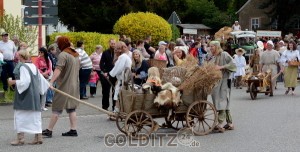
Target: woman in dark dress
x=139, y=67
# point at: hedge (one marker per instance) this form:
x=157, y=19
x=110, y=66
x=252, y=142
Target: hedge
x=139, y=25
x=90, y=39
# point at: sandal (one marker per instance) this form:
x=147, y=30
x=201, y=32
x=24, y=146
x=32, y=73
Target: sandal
x=228, y=127
x=219, y=129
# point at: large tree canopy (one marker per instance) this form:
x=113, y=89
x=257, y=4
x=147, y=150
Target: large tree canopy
x=101, y=15
x=285, y=12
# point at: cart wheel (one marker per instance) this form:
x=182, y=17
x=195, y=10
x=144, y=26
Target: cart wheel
x=120, y=121
x=253, y=91
x=178, y=122
x=139, y=124
x=201, y=117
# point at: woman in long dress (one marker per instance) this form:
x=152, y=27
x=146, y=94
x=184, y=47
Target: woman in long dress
x=254, y=61
x=221, y=92
x=30, y=86
x=290, y=71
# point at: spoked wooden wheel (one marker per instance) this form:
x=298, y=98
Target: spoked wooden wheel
x=253, y=91
x=178, y=122
x=139, y=124
x=121, y=116
x=201, y=117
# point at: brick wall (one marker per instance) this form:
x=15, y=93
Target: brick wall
x=250, y=11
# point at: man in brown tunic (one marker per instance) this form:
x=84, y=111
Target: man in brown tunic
x=66, y=75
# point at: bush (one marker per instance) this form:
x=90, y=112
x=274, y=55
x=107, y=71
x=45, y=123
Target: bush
x=139, y=25
x=90, y=39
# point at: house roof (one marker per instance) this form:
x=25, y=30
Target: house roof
x=194, y=26
x=243, y=6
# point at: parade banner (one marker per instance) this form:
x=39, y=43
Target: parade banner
x=268, y=33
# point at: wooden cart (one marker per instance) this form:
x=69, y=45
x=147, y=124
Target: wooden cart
x=254, y=87
x=137, y=114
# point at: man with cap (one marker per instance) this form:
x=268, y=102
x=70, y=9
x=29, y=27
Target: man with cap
x=160, y=54
x=268, y=61
x=8, y=49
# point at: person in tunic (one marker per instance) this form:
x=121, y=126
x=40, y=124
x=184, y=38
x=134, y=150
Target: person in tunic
x=254, y=61
x=268, y=61
x=221, y=92
x=290, y=71
x=240, y=63
x=30, y=84
x=66, y=76
x=121, y=64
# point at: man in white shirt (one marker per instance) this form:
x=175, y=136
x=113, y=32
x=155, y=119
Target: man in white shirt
x=8, y=49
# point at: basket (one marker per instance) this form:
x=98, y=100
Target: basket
x=294, y=63
x=174, y=75
x=160, y=64
x=157, y=63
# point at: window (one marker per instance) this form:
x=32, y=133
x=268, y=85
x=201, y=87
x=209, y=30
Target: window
x=254, y=23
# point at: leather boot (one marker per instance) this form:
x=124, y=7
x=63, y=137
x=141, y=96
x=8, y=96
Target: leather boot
x=19, y=141
x=38, y=139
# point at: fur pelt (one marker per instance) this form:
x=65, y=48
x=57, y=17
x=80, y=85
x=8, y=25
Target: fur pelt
x=169, y=97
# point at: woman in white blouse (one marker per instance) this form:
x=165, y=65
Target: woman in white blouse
x=290, y=71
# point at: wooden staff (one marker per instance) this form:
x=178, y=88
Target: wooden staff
x=275, y=76
x=83, y=102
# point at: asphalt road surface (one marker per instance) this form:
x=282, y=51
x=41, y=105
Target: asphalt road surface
x=268, y=124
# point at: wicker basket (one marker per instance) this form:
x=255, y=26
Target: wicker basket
x=294, y=63
x=160, y=64
x=174, y=75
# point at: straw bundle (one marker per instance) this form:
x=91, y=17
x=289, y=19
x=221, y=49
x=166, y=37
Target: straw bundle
x=190, y=61
x=174, y=75
x=204, y=77
x=223, y=33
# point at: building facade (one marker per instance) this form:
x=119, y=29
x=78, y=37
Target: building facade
x=252, y=18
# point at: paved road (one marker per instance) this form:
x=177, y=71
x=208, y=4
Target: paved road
x=269, y=124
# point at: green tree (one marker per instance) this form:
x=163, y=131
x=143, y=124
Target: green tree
x=101, y=15
x=285, y=12
x=14, y=26
x=204, y=11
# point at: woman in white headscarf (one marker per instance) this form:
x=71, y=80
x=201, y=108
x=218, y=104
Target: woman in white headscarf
x=268, y=61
